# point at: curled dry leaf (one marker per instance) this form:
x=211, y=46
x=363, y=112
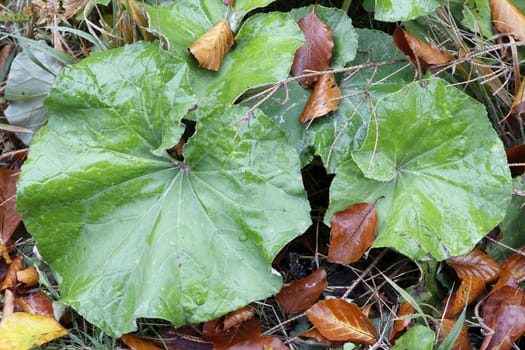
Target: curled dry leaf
x=462, y=342
x=323, y=99
x=10, y=279
x=337, y=319
x=507, y=18
x=301, y=294
x=418, y=50
x=36, y=303
x=9, y=304
x=136, y=343
x=237, y=317
x=9, y=217
x=401, y=325
x=504, y=312
x=211, y=48
x=476, y=264
x=28, y=276
x=470, y=288
x=353, y=232
x=314, y=56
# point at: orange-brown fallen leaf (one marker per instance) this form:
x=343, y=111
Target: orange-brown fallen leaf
x=28, y=276
x=507, y=18
x=470, y=288
x=337, y=319
x=419, y=51
x=314, y=56
x=462, y=342
x=504, y=312
x=353, y=232
x=9, y=217
x=477, y=264
x=9, y=304
x=315, y=334
x=22, y=331
x=10, y=279
x=136, y=343
x=36, y=303
x=323, y=99
x=301, y=294
x=401, y=325
x=516, y=154
x=237, y=317
x=211, y=48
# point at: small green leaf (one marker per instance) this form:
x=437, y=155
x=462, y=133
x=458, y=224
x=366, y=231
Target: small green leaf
x=130, y=232
x=417, y=337
x=402, y=10
x=440, y=167
x=476, y=17
x=246, y=6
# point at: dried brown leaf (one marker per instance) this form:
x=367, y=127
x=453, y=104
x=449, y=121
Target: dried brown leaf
x=470, y=288
x=401, y=325
x=337, y=319
x=9, y=304
x=504, y=312
x=301, y=294
x=314, y=56
x=462, y=342
x=136, y=343
x=72, y=7
x=237, y=317
x=507, y=18
x=353, y=232
x=418, y=50
x=476, y=264
x=184, y=338
x=10, y=280
x=28, y=276
x=516, y=154
x=323, y=99
x=211, y=48
x=315, y=334
x=9, y=218
x=36, y=303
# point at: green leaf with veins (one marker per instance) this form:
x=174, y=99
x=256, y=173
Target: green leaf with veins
x=402, y=10
x=439, y=166
x=130, y=232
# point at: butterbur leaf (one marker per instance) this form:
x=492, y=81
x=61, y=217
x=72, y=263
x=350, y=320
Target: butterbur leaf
x=315, y=54
x=323, y=99
x=9, y=218
x=401, y=325
x=419, y=51
x=353, y=232
x=507, y=18
x=136, y=343
x=337, y=319
x=301, y=294
x=470, y=288
x=389, y=11
x=211, y=48
x=172, y=230
x=429, y=210
x=504, y=312
x=23, y=331
x=418, y=337
x=477, y=264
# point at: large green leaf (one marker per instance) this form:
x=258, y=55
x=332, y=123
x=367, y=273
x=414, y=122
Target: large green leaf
x=131, y=232
x=402, y=10
x=438, y=166
x=264, y=51
x=334, y=136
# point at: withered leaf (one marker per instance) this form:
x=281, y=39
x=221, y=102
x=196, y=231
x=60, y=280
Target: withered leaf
x=36, y=303
x=315, y=334
x=507, y=18
x=10, y=279
x=516, y=154
x=477, y=264
x=237, y=317
x=184, y=338
x=228, y=2
x=211, y=48
x=401, y=325
x=518, y=105
x=301, y=294
x=314, y=56
x=462, y=342
x=504, y=312
x=323, y=99
x=337, y=319
x=419, y=51
x=9, y=304
x=9, y=218
x=353, y=232
x=136, y=343
x=470, y=288
x=28, y=276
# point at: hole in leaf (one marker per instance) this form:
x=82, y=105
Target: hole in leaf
x=177, y=151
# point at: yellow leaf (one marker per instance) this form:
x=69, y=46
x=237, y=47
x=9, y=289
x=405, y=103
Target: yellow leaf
x=21, y=331
x=211, y=48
